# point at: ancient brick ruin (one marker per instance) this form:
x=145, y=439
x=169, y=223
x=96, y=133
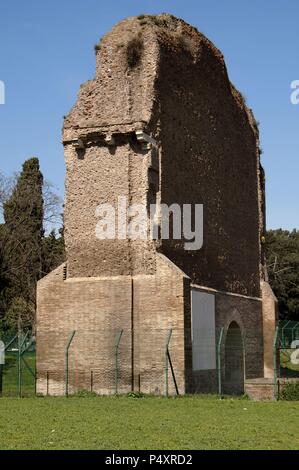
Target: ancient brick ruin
x=160, y=122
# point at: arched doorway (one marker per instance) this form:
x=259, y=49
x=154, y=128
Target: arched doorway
x=234, y=361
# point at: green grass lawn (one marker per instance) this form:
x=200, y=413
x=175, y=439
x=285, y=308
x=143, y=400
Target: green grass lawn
x=147, y=423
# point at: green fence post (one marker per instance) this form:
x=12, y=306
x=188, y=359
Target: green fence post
x=1, y=379
x=275, y=363
x=6, y=348
x=166, y=361
x=117, y=342
x=19, y=391
x=67, y=363
x=11, y=342
x=219, y=362
x=20, y=352
x=282, y=333
x=2, y=362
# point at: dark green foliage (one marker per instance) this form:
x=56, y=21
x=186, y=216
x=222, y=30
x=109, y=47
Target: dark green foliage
x=143, y=22
x=23, y=216
x=98, y=45
x=282, y=252
x=290, y=392
x=160, y=21
x=136, y=395
x=134, y=51
x=4, y=280
x=53, y=253
x=84, y=394
x=26, y=254
x=256, y=125
x=185, y=43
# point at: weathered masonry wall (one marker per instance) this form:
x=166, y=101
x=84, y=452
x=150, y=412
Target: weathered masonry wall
x=98, y=309
x=227, y=309
x=180, y=94
x=103, y=175
x=159, y=77
x=209, y=156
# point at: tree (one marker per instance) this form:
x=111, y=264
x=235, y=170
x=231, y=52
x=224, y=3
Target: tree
x=30, y=208
x=282, y=252
x=53, y=253
x=3, y=271
x=23, y=216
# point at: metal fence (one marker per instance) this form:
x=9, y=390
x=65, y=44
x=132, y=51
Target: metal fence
x=155, y=361
x=18, y=371
x=286, y=354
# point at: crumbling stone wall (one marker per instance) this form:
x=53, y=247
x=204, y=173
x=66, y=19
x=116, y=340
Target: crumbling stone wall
x=209, y=156
x=158, y=75
x=180, y=93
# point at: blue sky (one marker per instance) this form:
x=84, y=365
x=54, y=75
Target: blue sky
x=46, y=52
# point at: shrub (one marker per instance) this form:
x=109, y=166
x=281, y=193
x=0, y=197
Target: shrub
x=243, y=97
x=134, y=51
x=161, y=21
x=136, y=395
x=84, y=394
x=184, y=43
x=290, y=391
x=256, y=125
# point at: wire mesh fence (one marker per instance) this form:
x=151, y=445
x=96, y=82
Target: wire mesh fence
x=17, y=372
x=150, y=360
x=287, y=346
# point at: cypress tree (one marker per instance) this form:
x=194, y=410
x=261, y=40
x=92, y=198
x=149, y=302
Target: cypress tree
x=23, y=215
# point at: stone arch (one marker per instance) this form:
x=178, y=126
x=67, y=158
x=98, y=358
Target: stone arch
x=234, y=360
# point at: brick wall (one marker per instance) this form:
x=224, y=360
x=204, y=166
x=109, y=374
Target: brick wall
x=98, y=309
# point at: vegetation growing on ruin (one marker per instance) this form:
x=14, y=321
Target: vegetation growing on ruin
x=161, y=21
x=184, y=42
x=134, y=51
x=98, y=45
x=256, y=125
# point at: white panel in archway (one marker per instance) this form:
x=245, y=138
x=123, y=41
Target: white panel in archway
x=203, y=330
